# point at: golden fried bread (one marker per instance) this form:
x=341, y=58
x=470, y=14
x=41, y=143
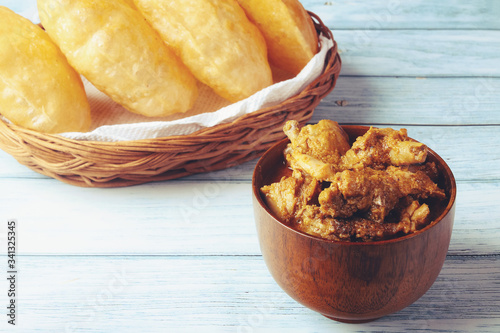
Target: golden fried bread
x=38, y=88
x=215, y=39
x=130, y=3
x=112, y=45
x=288, y=29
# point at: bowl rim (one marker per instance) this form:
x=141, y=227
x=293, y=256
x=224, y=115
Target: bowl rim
x=437, y=220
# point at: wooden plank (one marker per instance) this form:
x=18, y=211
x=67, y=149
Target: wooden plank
x=479, y=142
x=482, y=144
x=397, y=14
x=420, y=53
x=168, y=217
x=412, y=101
x=123, y=294
x=186, y=218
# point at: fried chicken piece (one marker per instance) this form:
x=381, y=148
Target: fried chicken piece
x=378, y=148
x=370, y=191
x=315, y=222
x=325, y=140
x=310, y=166
x=291, y=194
x=413, y=216
x=417, y=184
x=374, y=192
x=316, y=149
x=429, y=168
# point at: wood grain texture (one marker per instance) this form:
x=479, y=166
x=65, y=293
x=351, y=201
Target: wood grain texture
x=421, y=53
x=183, y=255
x=412, y=101
x=187, y=218
x=398, y=14
x=227, y=293
x=482, y=144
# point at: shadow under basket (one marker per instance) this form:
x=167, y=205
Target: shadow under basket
x=115, y=164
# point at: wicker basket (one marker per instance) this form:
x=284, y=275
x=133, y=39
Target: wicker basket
x=114, y=164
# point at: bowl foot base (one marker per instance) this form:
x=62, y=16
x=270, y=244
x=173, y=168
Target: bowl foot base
x=351, y=321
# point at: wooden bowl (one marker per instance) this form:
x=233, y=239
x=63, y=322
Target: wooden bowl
x=352, y=281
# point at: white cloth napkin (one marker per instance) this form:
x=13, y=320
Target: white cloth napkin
x=111, y=122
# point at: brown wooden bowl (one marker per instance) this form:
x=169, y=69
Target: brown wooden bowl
x=352, y=281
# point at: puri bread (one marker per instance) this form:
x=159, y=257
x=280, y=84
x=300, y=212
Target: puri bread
x=288, y=29
x=113, y=46
x=130, y=3
x=38, y=88
x=216, y=41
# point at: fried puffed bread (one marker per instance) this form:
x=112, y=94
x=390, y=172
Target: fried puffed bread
x=38, y=88
x=215, y=39
x=111, y=44
x=288, y=29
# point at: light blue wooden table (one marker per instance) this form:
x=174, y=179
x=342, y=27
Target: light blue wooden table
x=183, y=255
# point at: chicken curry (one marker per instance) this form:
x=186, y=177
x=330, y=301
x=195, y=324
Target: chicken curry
x=380, y=187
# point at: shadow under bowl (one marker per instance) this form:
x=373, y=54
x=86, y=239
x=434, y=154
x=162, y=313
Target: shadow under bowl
x=352, y=281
